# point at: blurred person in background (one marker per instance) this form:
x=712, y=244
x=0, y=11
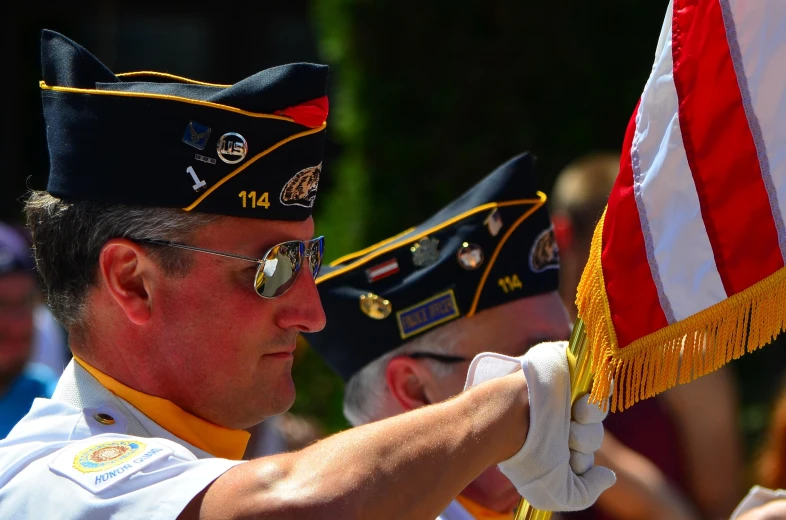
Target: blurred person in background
x=770, y=467
x=690, y=432
x=50, y=340
x=21, y=381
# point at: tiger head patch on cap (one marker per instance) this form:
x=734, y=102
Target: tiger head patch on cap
x=301, y=190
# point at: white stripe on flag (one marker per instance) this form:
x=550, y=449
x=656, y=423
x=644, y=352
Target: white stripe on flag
x=678, y=247
x=760, y=44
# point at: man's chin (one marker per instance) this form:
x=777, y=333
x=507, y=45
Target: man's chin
x=287, y=396
x=281, y=397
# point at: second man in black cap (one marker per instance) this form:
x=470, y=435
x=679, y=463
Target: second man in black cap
x=408, y=318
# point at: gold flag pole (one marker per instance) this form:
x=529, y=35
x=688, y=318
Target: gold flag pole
x=581, y=377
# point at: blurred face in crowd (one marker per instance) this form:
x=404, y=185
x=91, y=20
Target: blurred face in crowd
x=206, y=340
x=510, y=329
x=17, y=298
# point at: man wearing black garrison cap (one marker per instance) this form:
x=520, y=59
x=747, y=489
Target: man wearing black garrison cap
x=171, y=243
x=405, y=318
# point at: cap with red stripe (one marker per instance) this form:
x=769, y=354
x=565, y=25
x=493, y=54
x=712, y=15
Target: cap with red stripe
x=251, y=149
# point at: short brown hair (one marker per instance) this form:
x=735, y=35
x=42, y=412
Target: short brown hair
x=68, y=237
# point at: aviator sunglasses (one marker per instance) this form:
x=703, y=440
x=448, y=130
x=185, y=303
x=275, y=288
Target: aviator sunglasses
x=279, y=266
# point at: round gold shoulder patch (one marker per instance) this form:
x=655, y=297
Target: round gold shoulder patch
x=100, y=457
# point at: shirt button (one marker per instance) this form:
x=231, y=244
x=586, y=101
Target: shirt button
x=104, y=418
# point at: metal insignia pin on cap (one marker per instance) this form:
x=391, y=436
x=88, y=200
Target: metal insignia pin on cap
x=425, y=252
x=198, y=183
x=196, y=135
x=204, y=159
x=375, y=306
x=470, y=256
x=493, y=222
x=377, y=272
x=232, y=148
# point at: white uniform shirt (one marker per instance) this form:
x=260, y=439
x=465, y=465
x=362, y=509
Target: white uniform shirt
x=62, y=461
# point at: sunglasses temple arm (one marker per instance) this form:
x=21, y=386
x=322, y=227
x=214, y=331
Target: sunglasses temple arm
x=214, y=253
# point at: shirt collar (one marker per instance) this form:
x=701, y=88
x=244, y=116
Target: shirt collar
x=212, y=438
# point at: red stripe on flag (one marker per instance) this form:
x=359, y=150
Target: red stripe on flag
x=630, y=288
x=720, y=148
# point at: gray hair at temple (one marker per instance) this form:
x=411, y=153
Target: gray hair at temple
x=367, y=395
x=68, y=237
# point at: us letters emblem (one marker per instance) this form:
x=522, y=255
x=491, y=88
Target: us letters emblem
x=232, y=148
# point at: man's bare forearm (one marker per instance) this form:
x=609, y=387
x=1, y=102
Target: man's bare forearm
x=409, y=466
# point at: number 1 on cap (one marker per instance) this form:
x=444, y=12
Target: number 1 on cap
x=261, y=201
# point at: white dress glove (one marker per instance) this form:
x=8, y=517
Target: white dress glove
x=554, y=469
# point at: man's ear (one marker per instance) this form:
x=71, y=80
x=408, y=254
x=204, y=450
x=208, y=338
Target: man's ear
x=406, y=380
x=125, y=270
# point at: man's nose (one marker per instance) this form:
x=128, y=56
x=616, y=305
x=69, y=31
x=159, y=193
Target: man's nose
x=305, y=311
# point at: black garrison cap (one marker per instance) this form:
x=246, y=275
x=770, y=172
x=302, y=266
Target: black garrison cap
x=492, y=245
x=252, y=149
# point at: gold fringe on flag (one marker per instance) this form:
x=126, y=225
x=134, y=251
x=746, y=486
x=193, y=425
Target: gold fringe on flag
x=682, y=351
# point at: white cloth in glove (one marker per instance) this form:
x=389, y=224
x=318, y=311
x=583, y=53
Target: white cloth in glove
x=554, y=469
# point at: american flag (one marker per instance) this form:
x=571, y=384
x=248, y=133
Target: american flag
x=687, y=266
